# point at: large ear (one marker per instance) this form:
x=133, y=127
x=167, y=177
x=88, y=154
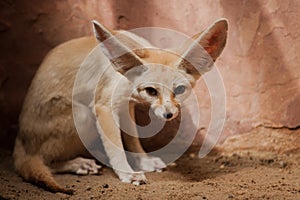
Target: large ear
x=204, y=49
x=122, y=58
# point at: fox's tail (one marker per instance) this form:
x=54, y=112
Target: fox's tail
x=32, y=169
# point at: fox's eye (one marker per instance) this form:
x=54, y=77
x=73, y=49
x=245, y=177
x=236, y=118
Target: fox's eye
x=179, y=89
x=151, y=91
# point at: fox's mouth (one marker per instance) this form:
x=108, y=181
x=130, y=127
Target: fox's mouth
x=167, y=120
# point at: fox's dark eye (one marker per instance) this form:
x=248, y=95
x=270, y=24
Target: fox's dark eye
x=179, y=89
x=151, y=91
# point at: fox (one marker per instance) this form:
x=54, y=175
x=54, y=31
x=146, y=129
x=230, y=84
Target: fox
x=48, y=141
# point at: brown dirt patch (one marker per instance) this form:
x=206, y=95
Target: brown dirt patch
x=232, y=176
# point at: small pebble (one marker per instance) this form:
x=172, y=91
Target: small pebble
x=283, y=164
x=192, y=155
x=173, y=164
x=88, y=188
x=240, y=192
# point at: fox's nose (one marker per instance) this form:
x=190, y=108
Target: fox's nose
x=168, y=115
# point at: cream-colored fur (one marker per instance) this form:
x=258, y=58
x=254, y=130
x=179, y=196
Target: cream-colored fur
x=48, y=141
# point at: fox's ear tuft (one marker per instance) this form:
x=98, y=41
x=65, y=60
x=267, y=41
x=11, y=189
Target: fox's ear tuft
x=101, y=32
x=204, y=49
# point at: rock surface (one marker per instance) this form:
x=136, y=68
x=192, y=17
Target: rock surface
x=259, y=66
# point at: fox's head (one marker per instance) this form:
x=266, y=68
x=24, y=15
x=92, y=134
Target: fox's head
x=160, y=77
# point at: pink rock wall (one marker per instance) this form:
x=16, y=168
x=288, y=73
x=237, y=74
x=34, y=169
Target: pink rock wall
x=259, y=66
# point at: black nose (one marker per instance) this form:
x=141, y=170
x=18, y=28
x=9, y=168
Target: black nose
x=168, y=115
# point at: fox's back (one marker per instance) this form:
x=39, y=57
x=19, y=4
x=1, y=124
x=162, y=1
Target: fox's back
x=53, y=82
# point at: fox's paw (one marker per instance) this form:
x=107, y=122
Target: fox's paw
x=83, y=166
x=78, y=165
x=151, y=164
x=136, y=178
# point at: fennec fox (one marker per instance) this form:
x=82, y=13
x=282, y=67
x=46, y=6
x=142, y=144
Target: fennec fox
x=48, y=141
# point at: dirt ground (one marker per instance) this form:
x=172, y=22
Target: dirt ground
x=262, y=164
x=246, y=175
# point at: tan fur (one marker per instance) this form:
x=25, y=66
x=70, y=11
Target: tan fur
x=46, y=122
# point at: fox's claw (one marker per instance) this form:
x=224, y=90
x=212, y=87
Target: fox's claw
x=86, y=166
x=150, y=164
x=136, y=178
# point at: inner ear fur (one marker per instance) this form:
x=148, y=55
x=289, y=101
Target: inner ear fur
x=213, y=39
x=112, y=47
x=204, y=48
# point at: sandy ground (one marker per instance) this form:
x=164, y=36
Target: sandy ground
x=262, y=164
x=246, y=175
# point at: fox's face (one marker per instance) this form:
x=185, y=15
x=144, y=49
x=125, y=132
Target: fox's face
x=164, y=88
x=162, y=85
x=162, y=78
